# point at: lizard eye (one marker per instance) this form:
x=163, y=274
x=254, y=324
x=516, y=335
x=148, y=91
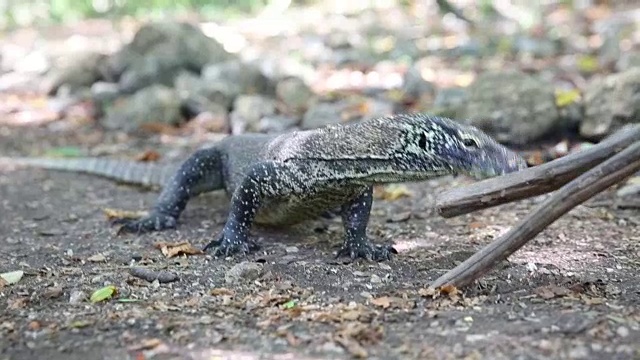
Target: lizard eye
x=470, y=143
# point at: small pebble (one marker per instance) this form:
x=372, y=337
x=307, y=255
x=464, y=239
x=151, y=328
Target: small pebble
x=77, y=297
x=622, y=331
x=245, y=270
x=291, y=249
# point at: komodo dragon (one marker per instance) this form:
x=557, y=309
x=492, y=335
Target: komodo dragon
x=288, y=178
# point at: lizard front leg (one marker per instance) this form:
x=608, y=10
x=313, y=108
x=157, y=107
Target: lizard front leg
x=264, y=180
x=201, y=172
x=355, y=217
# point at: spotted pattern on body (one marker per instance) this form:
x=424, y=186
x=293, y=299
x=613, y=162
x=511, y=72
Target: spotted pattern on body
x=289, y=178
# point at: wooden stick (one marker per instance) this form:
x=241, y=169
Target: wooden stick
x=576, y=192
x=533, y=181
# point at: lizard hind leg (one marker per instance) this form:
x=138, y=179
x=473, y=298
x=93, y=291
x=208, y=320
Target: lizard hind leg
x=355, y=217
x=200, y=173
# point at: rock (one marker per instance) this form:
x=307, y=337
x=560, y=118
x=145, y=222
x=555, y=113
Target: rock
x=238, y=78
x=249, y=110
x=244, y=271
x=536, y=47
x=102, y=92
x=346, y=111
x=195, y=91
x=450, y=102
x=157, y=53
x=322, y=114
x=35, y=61
x=154, y=104
x=277, y=124
x=75, y=72
x=294, y=94
x=414, y=85
x=512, y=106
x=610, y=102
x=213, y=119
x=622, y=331
x=160, y=66
x=631, y=188
x=628, y=60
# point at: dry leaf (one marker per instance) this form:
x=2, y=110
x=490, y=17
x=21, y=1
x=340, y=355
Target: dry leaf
x=427, y=292
x=449, y=289
x=148, y=156
x=383, y=302
x=351, y=315
x=159, y=128
x=551, y=291
x=352, y=346
x=123, y=214
x=174, y=249
x=17, y=303
x=221, y=292
x=146, y=344
x=392, y=192
x=545, y=293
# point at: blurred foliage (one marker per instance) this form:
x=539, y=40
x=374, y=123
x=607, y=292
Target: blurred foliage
x=15, y=13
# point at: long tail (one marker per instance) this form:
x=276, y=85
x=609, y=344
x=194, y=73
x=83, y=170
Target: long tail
x=131, y=172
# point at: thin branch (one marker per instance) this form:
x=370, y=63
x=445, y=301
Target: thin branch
x=533, y=181
x=576, y=192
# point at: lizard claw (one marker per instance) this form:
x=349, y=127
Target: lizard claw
x=365, y=249
x=152, y=222
x=226, y=247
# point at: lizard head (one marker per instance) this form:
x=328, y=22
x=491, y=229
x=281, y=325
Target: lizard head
x=462, y=149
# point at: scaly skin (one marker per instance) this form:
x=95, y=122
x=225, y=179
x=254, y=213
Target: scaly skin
x=286, y=179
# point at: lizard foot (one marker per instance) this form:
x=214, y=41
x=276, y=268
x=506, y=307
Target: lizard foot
x=225, y=246
x=152, y=222
x=367, y=250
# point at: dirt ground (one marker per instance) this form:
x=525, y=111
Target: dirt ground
x=571, y=293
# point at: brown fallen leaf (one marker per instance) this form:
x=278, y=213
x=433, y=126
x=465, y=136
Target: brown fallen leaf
x=449, y=290
x=351, y=315
x=146, y=344
x=551, y=291
x=159, y=128
x=148, y=156
x=427, y=292
x=352, y=346
x=17, y=303
x=221, y=292
x=174, y=249
x=123, y=214
x=383, y=302
x=392, y=192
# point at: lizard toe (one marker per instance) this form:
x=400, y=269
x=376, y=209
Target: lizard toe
x=153, y=222
x=366, y=250
x=226, y=247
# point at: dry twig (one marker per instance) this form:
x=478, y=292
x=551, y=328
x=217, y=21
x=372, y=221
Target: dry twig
x=574, y=193
x=533, y=181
